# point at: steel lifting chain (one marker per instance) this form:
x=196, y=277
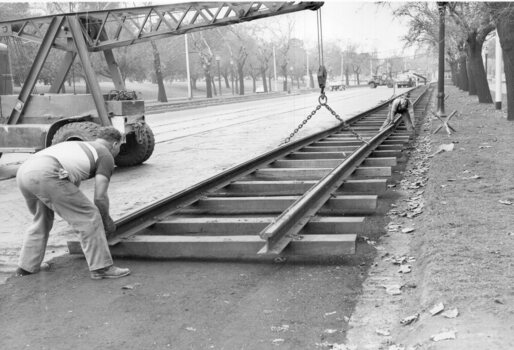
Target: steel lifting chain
x=322, y=102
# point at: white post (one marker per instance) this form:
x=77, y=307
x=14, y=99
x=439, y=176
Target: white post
x=308, y=81
x=498, y=74
x=342, y=66
x=189, y=90
x=275, y=69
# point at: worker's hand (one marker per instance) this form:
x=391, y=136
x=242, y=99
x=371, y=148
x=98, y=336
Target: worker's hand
x=110, y=227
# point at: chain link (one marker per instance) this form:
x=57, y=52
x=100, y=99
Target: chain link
x=295, y=131
x=323, y=103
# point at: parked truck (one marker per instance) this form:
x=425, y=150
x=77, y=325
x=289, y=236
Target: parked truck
x=380, y=80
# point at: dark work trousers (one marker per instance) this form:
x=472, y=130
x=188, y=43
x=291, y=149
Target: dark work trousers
x=45, y=193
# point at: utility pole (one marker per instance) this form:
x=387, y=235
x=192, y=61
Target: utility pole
x=189, y=90
x=218, y=58
x=275, y=68
x=307, y=82
x=440, y=82
x=498, y=74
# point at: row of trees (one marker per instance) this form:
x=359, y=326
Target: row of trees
x=242, y=51
x=468, y=25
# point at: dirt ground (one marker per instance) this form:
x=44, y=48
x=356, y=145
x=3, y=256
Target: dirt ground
x=450, y=219
x=454, y=228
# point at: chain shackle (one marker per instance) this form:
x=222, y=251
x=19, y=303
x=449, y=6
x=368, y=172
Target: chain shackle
x=322, y=79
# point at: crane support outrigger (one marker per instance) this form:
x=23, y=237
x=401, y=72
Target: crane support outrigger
x=32, y=122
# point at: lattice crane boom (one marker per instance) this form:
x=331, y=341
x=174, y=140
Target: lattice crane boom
x=108, y=29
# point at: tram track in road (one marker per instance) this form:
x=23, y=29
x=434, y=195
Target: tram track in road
x=308, y=197
x=177, y=128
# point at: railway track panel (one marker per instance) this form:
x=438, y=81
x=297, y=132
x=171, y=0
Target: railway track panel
x=307, y=198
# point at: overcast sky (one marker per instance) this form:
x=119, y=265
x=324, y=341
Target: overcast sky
x=370, y=25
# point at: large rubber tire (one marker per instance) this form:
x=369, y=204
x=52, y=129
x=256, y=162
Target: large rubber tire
x=372, y=85
x=78, y=131
x=134, y=153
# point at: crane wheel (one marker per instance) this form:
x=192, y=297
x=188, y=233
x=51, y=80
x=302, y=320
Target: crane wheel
x=78, y=131
x=134, y=153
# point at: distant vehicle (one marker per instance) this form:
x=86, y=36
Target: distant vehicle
x=380, y=80
x=405, y=80
x=336, y=86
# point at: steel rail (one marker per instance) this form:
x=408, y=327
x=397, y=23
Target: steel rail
x=137, y=221
x=287, y=225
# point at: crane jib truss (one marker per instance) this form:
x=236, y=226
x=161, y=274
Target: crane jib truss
x=114, y=28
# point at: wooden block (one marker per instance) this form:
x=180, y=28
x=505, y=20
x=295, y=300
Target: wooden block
x=306, y=163
x=274, y=205
x=317, y=155
x=382, y=161
x=395, y=147
x=386, y=153
x=350, y=204
x=249, y=188
x=232, y=225
x=348, y=149
x=374, y=186
x=288, y=174
x=223, y=247
x=372, y=172
x=340, y=142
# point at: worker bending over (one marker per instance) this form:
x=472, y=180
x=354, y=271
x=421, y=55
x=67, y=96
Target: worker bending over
x=49, y=181
x=401, y=105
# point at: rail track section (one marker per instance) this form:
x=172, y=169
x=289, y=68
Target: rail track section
x=305, y=198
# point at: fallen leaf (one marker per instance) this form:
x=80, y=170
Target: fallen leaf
x=277, y=341
x=396, y=347
x=408, y=230
x=408, y=320
x=191, y=329
x=452, y=313
x=330, y=313
x=393, y=289
x=437, y=308
x=474, y=177
x=330, y=331
x=505, y=201
x=405, y=269
x=443, y=336
x=282, y=328
x=130, y=286
x=383, y=332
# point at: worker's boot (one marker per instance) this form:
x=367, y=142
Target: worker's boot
x=109, y=272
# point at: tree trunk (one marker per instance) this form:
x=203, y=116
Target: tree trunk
x=213, y=82
x=208, y=84
x=505, y=28
x=463, y=74
x=311, y=80
x=193, y=83
x=471, y=81
x=478, y=71
x=227, y=83
x=284, y=73
x=263, y=76
x=269, y=83
x=161, y=92
x=241, y=79
x=453, y=67
x=254, y=84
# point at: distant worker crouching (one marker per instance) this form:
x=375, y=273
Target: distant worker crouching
x=49, y=181
x=401, y=105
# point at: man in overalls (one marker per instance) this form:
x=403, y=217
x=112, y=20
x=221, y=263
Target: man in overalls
x=401, y=105
x=49, y=182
